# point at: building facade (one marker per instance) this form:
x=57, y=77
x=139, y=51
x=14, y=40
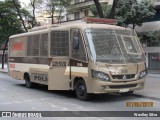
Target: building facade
x=80, y=8
x=152, y=50
x=44, y=18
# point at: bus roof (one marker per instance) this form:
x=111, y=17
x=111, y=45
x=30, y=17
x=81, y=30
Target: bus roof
x=67, y=25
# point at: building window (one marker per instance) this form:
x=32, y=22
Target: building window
x=77, y=15
x=86, y=12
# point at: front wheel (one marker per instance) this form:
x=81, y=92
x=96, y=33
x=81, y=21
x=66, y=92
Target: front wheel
x=81, y=90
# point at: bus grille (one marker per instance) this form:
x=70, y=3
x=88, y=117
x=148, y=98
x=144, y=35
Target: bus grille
x=123, y=77
x=122, y=86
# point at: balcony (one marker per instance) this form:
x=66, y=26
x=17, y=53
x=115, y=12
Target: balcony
x=156, y=3
x=83, y=4
x=149, y=26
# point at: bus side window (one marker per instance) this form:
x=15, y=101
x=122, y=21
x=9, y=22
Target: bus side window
x=77, y=47
x=59, y=43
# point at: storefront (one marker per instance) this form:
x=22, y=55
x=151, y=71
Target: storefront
x=153, y=58
x=154, y=61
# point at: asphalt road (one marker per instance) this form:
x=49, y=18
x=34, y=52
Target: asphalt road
x=14, y=96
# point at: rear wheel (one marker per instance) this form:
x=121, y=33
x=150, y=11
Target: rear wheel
x=129, y=93
x=29, y=84
x=81, y=90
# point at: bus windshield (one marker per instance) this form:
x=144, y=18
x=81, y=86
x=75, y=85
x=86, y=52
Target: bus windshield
x=114, y=45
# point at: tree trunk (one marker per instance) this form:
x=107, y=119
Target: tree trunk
x=33, y=12
x=18, y=11
x=99, y=8
x=3, y=54
x=134, y=26
x=113, y=10
x=59, y=17
x=52, y=18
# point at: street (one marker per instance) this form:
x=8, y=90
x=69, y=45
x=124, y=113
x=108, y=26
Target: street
x=14, y=96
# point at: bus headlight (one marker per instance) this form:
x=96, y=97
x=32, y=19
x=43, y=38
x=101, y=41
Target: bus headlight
x=100, y=75
x=142, y=74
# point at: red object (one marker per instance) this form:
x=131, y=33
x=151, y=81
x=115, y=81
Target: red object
x=100, y=20
x=11, y=65
x=156, y=58
x=17, y=46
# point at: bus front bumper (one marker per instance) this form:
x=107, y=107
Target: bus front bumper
x=99, y=86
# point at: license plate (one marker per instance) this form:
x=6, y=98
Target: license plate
x=123, y=90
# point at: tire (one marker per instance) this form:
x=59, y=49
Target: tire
x=29, y=84
x=81, y=90
x=129, y=93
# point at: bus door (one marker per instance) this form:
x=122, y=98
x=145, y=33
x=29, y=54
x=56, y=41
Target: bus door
x=59, y=52
x=78, y=61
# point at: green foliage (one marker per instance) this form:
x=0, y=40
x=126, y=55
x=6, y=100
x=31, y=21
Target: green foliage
x=134, y=12
x=151, y=38
x=62, y=4
x=55, y=6
x=9, y=22
x=105, y=8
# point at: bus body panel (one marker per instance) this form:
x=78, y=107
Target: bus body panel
x=17, y=71
x=119, y=87
x=61, y=73
x=57, y=80
x=39, y=75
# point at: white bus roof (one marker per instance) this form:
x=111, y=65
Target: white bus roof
x=67, y=25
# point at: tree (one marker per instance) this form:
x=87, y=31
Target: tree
x=19, y=14
x=113, y=10
x=105, y=8
x=99, y=8
x=51, y=8
x=61, y=8
x=9, y=24
x=134, y=12
x=33, y=22
x=55, y=6
x=151, y=38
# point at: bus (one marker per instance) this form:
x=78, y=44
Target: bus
x=88, y=57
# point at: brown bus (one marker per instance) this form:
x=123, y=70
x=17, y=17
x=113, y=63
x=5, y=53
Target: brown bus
x=88, y=58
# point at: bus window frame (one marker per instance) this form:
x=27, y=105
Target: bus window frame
x=84, y=45
x=49, y=48
x=138, y=53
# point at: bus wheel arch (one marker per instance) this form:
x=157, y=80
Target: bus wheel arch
x=81, y=89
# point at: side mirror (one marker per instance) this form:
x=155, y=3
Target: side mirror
x=76, y=42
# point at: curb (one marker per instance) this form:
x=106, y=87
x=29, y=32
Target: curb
x=1, y=71
x=153, y=75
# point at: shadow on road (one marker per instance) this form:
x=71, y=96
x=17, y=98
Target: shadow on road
x=96, y=98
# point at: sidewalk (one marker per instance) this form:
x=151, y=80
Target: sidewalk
x=153, y=73
x=5, y=70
